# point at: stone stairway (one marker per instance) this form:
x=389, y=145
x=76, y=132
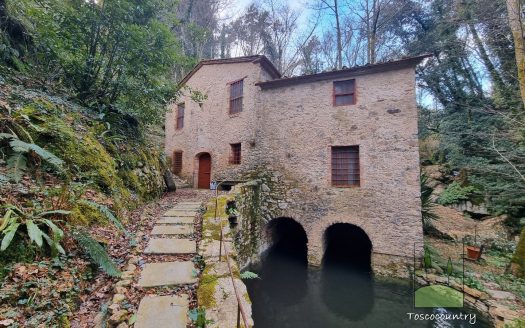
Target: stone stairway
x=167, y=238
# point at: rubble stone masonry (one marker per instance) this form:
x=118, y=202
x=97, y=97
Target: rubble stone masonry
x=288, y=131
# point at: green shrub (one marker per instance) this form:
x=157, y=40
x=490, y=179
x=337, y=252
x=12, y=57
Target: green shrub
x=455, y=193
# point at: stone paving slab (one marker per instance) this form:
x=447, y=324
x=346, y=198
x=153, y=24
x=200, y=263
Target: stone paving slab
x=186, y=207
x=170, y=246
x=189, y=203
x=167, y=273
x=163, y=312
x=181, y=229
x=176, y=220
x=211, y=248
x=180, y=213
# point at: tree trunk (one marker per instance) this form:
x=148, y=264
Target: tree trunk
x=516, y=26
x=494, y=74
x=339, y=42
x=373, y=32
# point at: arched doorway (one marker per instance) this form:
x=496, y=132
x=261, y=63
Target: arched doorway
x=346, y=281
x=204, y=171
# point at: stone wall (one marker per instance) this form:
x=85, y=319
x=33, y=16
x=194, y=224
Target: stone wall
x=211, y=128
x=287, y=134
x=301, y=125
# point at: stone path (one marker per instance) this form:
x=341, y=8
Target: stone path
x=169, y=311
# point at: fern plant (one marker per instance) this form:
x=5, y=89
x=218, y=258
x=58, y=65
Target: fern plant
x=17, y=161
x=35, y=224
x=427, y=205
x=103, y=209
x=249, y=275
x=97, y=253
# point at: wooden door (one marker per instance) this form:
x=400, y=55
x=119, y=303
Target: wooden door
x=204, y=171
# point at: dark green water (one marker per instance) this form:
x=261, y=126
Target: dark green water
x=290, y=294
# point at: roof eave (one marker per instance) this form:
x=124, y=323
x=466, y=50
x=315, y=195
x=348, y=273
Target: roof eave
x=355, y=71
x=262, y=60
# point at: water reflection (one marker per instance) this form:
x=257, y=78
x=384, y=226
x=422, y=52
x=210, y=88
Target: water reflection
x=292, y=296
x=347, y=293
x=342, y=294
x=286, y=270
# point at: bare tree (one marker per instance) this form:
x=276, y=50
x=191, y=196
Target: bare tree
x=279, y=36
x=334, y=7
x=247, y=30
x=514, y=10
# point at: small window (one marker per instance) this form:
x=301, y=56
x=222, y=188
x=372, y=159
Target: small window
x=344, y=92
x=177, y=162
x=345, y=166
x=180, y=116
x=236, y=97
x=235, y=155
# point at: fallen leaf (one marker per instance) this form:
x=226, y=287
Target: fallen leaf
x=7, y=322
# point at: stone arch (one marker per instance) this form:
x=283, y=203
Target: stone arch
x=316, y=245
x=346, y=277
x=288, y=236
x=284, y=263
x=347, y=245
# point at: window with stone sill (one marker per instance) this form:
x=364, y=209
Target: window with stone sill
x=235, y=153
x=180, y=116
x=236, y=94
x=345, y=166
x=344, y=92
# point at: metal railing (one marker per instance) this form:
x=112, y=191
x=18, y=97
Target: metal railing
x=240, y=309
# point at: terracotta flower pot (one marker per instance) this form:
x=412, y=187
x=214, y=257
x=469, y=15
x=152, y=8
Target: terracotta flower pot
x=473, y=253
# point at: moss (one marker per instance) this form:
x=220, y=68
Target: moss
x=208, y=226
x=518, y=260
x=247, y=298
x=206, y=291
x=85, y=214
x=64, y=321
x=92, y=156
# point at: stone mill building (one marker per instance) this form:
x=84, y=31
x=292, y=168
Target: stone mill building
x=329, y=149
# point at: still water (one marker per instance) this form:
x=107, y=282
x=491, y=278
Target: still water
x=292, y=294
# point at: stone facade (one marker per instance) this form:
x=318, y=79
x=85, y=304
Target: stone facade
x=287, y=128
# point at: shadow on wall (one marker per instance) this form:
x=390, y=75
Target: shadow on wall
x=347, y=287
x=287, y=254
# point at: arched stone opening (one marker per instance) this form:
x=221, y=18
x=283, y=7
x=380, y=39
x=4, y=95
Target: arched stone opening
x=347, y=246
x=284, y=264
x=287, y=240
x=346, y=281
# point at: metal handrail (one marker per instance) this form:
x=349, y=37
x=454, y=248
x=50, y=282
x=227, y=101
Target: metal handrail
x=240, y=308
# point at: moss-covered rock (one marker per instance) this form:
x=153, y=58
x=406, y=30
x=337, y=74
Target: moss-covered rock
x=206, y=291
x=518, y=260
x=123, y=167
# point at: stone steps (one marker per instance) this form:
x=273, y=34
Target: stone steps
x=167, y=273
x=170, y=246
x=163, y=312
x=175, y=220
x=180, y=229
x=169, y=311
